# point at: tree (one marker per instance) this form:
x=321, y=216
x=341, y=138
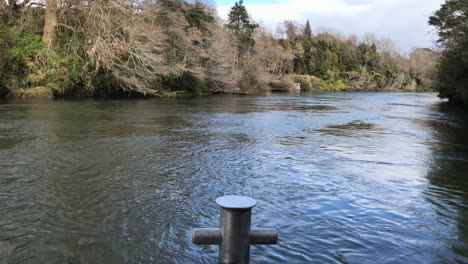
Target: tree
x=50, y=21
x=197, y=16
x=451, y=22
x=307, y=31
x=110, y=47
x=291, y=30
x=240, y=25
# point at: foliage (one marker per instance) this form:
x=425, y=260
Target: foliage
x=240, y=25
x=333, y=85
x=5, y=36
x=28, y=63
x=307, y=31
x=112, y=48
x=20, y=58
x=197, y=16
x=349, y=64
x=451, y=22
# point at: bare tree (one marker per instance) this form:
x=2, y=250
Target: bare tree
x=125, y=44
x=273, y=57
x=386, y=45
x=370, y=38
x=221, y=64
x=291, y=30
x=50, y=21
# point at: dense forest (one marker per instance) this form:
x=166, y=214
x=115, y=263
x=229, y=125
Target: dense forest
x=451, y=22
x=73, y=48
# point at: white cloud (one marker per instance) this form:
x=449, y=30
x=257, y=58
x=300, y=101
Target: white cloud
x=404, y=21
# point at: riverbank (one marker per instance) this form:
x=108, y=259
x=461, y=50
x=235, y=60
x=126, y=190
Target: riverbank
x=288, y=84
x=173, y=48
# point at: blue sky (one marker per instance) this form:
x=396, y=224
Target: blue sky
x=404, y=21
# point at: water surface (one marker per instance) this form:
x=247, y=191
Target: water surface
x=345, y=177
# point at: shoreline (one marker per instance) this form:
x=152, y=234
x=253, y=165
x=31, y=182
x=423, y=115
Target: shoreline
x=183, y=94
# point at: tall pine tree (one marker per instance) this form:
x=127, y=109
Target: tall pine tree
x=307, y=31
x=239, y=24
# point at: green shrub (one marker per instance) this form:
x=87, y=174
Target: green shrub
x=5, y=36
x=333, y=85
x=28, y=63
x=19, y=59
x=58, y=71
x=27, y=46
x=340, y=85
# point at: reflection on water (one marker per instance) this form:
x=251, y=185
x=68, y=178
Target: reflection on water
x=346, y=177
x=350, y=129
x=448, y=191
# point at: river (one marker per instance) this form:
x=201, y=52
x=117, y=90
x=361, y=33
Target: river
x=345, y=177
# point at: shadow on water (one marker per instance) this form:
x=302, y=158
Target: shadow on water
x=351, y=129
x=448, y=178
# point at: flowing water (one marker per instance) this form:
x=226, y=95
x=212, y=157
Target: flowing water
x=345, y=177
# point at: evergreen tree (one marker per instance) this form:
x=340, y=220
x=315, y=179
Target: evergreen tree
x=197, y=16
x=451, y=22
x=307, y=31
x=239, y=24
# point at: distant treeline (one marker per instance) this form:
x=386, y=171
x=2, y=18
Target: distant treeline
x=164, y=47
x=451, y=22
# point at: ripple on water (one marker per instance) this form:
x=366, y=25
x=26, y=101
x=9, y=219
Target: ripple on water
x=315, y=108
x=351, y=129
x=126, y=181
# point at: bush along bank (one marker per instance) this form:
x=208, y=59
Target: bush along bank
x=173, y=47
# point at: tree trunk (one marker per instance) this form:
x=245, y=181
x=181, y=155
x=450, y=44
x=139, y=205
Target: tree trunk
x=50, y=21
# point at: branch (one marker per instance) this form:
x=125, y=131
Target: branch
x=66, y=26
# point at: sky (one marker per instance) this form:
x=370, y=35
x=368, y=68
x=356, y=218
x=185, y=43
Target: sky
x=404, y=21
